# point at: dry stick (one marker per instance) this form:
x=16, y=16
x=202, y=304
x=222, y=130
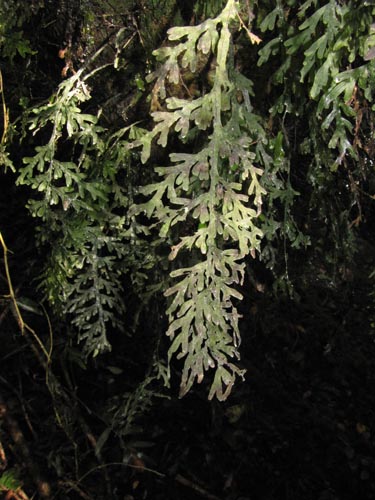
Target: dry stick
x=122, y=464
x=12, y=296
x=8, y=307
x=12, y=425
x=3, y=458
x=5, y=112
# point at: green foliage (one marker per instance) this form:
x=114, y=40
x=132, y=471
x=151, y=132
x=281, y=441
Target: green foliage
x=319, y=58
x=9, y=481
x=317, y=48
x=78, y=200
x=215, y=190
x=13, y=14
x=124, y=412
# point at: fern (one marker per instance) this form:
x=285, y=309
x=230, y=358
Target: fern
x=137, y=403
x=124, y=412
x=14, y=14
x=322, y=44
x=215, y=190
x=81, y=204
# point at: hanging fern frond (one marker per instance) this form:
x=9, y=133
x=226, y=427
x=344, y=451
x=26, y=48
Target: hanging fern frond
x=215, y=189
x=82, y=204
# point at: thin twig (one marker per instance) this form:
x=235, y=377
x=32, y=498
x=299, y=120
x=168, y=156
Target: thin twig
x=5, y=112
x=110, y=464
x=12, y=296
